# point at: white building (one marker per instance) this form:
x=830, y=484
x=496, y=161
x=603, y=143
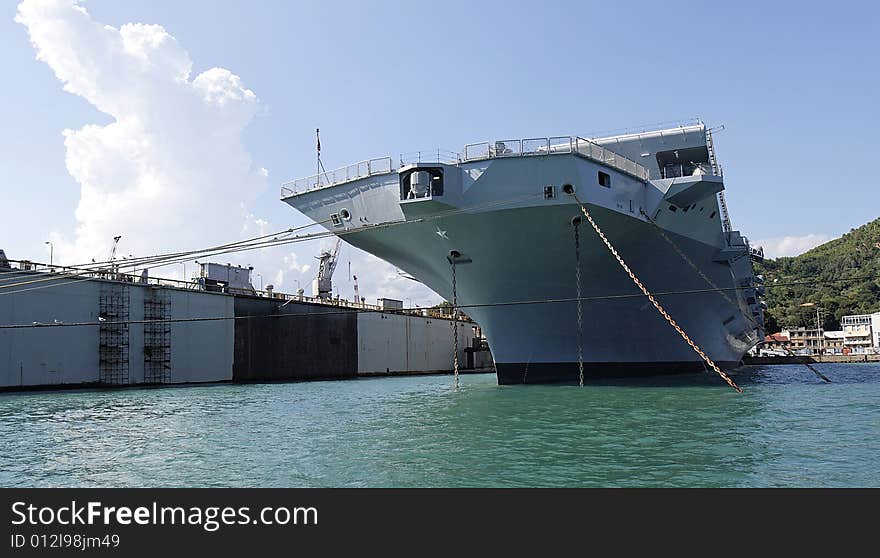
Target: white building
x=862, y=332
x=875, y=327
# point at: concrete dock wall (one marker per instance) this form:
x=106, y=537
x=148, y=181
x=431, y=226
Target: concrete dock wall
x=278, y=340
x=49, y=356
x=805, y=359
x=246, y=338
x=46, y=356
x=393, y=343
x=293, y=341
x=201, y=351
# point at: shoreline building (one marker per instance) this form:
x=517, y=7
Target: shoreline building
x=807, y=340
x=862, y=333
x=803, y=338
x=776, y=341
x=834, y=342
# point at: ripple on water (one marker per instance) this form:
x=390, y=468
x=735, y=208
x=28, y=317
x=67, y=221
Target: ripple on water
x=788, y=429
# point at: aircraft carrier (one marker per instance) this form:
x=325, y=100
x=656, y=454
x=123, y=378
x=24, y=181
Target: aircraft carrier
x=497, y=228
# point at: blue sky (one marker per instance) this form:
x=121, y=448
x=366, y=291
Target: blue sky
x=796, y=90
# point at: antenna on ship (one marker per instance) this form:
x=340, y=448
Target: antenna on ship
x=318, y=148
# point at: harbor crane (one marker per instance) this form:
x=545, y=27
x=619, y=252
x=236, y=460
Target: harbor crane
x=357, y=295
x=113, y=249
x=112, y=257
x=322, y=286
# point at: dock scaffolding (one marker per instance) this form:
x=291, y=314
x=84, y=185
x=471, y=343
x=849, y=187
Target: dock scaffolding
x=157, y=336
x=113, y=313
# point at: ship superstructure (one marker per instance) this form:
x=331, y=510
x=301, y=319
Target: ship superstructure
x=504, y=214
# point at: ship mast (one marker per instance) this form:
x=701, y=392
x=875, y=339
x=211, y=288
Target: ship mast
x=318, y=150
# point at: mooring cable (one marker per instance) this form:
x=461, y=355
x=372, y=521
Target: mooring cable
x=83, y=272
x=720, y=292
x=807, y=364
x=647, y=293
x=408, y=309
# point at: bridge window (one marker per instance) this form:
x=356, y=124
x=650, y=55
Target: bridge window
x=681, y=162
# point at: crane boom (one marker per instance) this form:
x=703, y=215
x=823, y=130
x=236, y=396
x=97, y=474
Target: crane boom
x=322, y=286
x=357, y=295
x=334, y=259
x=113, y=252
x=113, y=249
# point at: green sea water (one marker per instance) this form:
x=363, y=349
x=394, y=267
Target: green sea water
x=787, y=429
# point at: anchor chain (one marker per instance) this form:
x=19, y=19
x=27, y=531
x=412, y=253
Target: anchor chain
x=821, y=376
x=718, y=290
x=580, y=316
x=693, y=266
x=651, y=298
x=456, y=383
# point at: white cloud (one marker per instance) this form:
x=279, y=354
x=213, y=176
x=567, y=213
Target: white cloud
x=790, y=245
x=170, y=172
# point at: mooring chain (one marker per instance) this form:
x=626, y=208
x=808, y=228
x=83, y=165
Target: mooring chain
x=807, y=364
x=716, y=288
x=455, y=382
x=651, y=298
x=580, y=316
x=689, y=261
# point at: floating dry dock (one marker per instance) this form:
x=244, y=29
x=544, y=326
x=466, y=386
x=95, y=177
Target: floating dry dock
x=71, y=329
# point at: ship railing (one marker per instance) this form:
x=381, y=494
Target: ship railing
x=553, y=145
x=596, y=152
x=354, y=171
x=646, y=128
x=430, y=156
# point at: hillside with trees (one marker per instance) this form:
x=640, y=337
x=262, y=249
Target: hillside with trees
x=841, y=277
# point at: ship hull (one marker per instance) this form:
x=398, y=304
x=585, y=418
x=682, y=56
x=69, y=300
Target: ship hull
x=517, y=279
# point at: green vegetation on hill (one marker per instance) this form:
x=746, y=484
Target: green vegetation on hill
x=855, y=254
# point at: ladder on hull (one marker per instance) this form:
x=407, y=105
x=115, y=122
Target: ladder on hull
x=717, y=171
